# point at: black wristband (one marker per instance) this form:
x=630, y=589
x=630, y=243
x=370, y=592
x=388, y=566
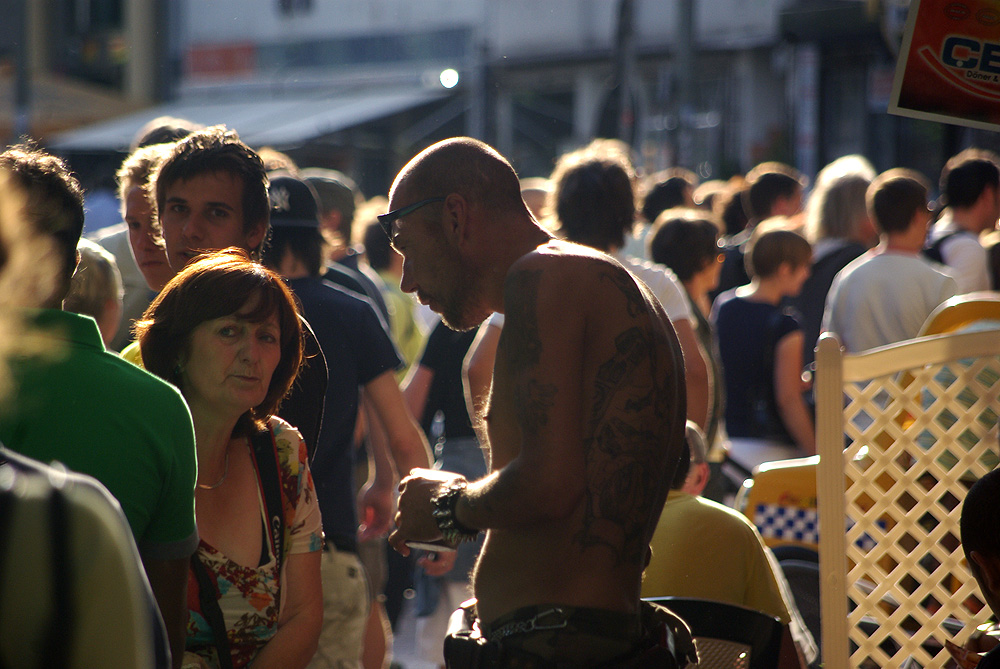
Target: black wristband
x=445, y=502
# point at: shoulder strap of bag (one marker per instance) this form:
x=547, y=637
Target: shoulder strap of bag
x=213, y=614
x=265, y=455
x=934, y=251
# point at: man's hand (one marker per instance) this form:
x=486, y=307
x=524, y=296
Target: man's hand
x=964, y=657
x=414, y=515
x=375, y=510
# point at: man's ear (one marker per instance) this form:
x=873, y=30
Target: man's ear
x=456, y=211
x=697, y=478
x=255, y=237
x=989, y=570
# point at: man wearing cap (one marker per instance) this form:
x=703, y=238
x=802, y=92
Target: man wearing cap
x=337, y=195
x=360, y=355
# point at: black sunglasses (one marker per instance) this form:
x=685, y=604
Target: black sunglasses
x=387, y=220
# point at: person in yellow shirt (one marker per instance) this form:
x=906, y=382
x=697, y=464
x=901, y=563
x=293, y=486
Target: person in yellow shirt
x=704, y=550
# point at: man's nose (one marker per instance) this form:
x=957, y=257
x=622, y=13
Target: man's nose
x=194, y=227
x=406, y=282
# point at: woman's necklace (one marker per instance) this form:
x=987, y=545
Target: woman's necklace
x=225, y=473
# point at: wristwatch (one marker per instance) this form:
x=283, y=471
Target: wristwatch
x=444, y=513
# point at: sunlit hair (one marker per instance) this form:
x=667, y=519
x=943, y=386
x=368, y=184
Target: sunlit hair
x=136, y=169
x=836, y=207
x=592, y=197
x=95, y=282
x=965, y=176
x=685, y=240
x=29, y=266
x=667, y=189
x=771, y=245
x=894, y=198
x=163, y=130
x=767, y=183
x=213, y=286
x=53, y=199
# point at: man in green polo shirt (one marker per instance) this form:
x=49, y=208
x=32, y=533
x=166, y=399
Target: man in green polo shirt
x=97, y=414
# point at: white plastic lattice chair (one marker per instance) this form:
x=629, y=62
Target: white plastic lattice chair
x=908, y=428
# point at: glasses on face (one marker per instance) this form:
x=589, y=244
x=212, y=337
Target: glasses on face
x=388, y=220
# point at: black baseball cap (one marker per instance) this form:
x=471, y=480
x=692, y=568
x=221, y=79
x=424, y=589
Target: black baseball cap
x=294, y=203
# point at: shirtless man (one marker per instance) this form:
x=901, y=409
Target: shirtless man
x=585, y=420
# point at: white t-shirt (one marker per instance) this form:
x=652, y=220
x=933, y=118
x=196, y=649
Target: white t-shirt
x=883, y=298
x=965, y=257
x=662, y=281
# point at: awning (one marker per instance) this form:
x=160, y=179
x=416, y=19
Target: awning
x=278, y=122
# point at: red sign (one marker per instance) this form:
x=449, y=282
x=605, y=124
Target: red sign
x=221, y=60
x=949, y=65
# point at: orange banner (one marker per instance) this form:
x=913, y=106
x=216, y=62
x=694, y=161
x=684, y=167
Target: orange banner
x=949, y=63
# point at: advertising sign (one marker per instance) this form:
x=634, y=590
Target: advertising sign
x=949, y=63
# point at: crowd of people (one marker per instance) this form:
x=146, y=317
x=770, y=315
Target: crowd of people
x=544, y=374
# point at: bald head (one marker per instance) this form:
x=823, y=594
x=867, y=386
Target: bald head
x=465, y=166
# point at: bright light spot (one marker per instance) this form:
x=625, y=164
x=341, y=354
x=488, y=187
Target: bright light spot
x=449, y=78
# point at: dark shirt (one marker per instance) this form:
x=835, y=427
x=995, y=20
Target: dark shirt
x=734, y=272
x=991, y=660
x=747, y=333
x=356, y=282
x=357, y=349
x=303, y=406
x=811, y=300
x=443, y=354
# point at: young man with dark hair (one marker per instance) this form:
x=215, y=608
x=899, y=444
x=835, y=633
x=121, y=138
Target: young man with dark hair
x=584, y=426
x=361, y=356
x=211, y=193
x=970, y=191
x=96, y=413
x=885, y=295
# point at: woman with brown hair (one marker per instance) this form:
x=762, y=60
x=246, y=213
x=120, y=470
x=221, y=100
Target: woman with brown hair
x=226, y=331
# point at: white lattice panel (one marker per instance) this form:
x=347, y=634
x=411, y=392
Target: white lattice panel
x=902, y=432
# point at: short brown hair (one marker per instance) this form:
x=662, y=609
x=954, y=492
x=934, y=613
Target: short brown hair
x=768, y=182
x=685, y=240
x=213, y=286
x=593, y=198
x=894, y=197
x=53, y=199
x=771, y=245
x=136, y=169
